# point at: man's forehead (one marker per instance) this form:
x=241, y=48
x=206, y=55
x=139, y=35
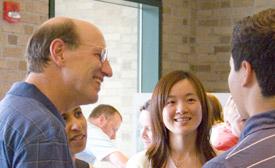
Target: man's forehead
x=116, y=119
x=91, y=35
x=99, y=43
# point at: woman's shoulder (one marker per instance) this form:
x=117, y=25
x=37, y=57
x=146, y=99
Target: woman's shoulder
x=139, y=160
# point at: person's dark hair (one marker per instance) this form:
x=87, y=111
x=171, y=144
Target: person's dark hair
x=216, y=109
x=104, y=109
x=145, y=106
x=158, y=151
x=254, y=41
x=38, y=49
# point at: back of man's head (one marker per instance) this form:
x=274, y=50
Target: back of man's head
x=254, y=41
x=107, y=118
x=104, y=109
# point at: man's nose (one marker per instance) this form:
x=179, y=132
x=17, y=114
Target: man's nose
x=107, y=69
x=113, y=136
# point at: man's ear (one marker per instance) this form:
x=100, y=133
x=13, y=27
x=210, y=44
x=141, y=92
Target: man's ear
x=247, y=73
x=102, y=120
x=57, y=51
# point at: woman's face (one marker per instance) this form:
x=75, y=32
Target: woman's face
x=182, y=113
x=237, y=126
x=146, y=131
x=76, y=130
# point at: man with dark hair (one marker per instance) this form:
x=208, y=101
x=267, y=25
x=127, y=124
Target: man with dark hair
x=66, y=66
x=103, y=124
x=252, y=85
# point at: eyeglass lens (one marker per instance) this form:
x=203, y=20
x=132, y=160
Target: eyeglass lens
x=104, y=54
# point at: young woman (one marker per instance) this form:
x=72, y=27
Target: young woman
x=216, y=109
x=180, y=123
x=76, y=130
x=138, y=160
x=145, y=123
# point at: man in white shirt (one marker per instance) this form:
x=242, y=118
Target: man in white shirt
x=103, y=123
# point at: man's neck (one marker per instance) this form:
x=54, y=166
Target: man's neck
x=261, y=105
x=51, y=89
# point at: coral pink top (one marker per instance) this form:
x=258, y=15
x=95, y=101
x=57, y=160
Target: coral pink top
x=222, y=137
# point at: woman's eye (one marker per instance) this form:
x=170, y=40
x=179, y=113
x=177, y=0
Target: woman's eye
x=149, y=129
x=191, y=100
x=78, y=114
x=64, y=117
x=170, y=102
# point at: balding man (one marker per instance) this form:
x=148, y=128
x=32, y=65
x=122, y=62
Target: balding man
x=103, y=124
x=67, y=63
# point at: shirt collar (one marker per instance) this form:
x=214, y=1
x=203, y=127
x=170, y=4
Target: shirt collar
x=258, y=122
x=31, y=91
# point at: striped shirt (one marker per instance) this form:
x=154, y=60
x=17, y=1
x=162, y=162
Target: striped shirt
x=255, y=148
x=32, y=133
x=98, y=146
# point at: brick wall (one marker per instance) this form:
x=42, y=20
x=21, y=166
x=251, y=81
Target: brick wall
x=13, y=39
x=197, y=35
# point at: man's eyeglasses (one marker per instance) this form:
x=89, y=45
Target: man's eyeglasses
x=103, y=53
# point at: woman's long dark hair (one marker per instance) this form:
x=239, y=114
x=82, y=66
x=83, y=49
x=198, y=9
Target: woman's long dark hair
x=158, y=152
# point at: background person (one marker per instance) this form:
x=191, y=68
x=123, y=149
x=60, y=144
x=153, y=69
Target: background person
x=76, y=130
x=103, y=124
x=66, y=65
x=145, y=135
x=145, y=122
x=252, y=84
x=234, y=121
x=226, y=135
x=216, y=109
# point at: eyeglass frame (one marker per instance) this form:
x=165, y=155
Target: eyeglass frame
x=103, y=53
